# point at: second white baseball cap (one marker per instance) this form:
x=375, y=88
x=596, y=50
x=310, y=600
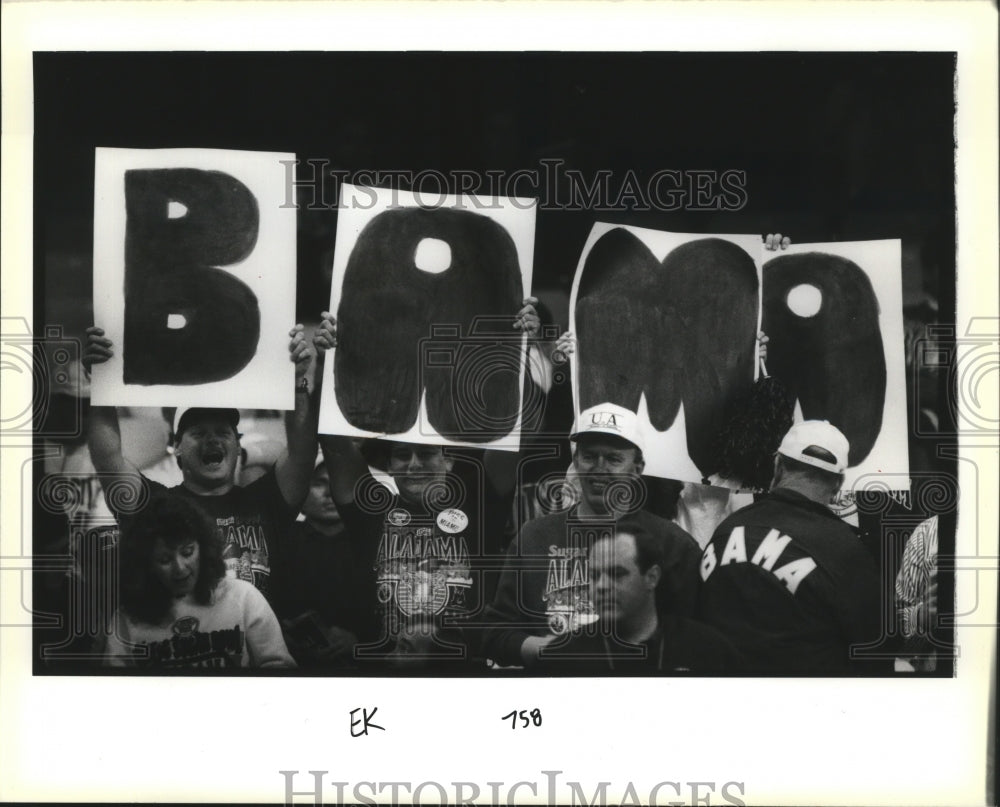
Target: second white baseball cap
x=609, y=418
x=818, y=443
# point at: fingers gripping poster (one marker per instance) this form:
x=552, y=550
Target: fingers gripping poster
x=194, y=278
x=666, y=326
x=425, y=299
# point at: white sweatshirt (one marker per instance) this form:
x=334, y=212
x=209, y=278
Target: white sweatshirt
x=236, y=629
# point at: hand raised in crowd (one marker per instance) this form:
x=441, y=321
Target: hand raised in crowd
x=775, y=241
x=98, y=348
x=325, y=337
x=298, y=351
x=762, y=340
x=565, y=345
x=772, y=242
x=527, y=318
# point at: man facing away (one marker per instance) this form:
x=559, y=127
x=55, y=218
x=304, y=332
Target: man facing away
x=785, y=580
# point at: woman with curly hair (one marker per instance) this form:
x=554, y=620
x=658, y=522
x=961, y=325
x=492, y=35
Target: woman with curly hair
x=178, y=609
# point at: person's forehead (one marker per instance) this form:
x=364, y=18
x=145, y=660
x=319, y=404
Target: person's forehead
x=173, y=542
x=213, y=422
x=603, y=443
x=397, y=448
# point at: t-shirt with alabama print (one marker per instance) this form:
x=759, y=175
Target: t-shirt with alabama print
x=422, y=572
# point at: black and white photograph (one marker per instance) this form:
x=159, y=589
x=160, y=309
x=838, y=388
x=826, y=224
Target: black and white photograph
x=524, y=374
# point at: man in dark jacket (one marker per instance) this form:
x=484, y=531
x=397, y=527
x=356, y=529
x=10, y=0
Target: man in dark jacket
x=785, y=580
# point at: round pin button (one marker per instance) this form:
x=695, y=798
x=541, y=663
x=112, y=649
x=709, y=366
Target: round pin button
x=452, y=520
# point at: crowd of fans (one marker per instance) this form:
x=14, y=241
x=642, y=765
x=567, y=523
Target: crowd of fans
x=237, y=547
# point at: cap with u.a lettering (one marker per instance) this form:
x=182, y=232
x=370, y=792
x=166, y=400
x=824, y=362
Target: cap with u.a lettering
x=609, y=418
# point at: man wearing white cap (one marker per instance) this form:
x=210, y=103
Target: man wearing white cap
x=544, y=587
x=785, y=580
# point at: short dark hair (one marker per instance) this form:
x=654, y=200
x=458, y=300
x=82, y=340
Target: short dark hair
x=174, y=518
x=650, y=550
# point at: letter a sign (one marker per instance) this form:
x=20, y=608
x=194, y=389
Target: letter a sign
x=194, y=278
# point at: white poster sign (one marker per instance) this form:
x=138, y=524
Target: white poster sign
x=425, y=290
x=194, y=278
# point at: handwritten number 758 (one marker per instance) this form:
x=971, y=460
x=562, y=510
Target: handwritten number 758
x=534, y=717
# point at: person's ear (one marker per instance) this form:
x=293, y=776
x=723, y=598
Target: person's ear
x=640, y=464
x=652, y=576
x=839, y=486
x=776, y=476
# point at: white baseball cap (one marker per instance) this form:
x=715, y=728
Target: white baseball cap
x=609, y=418
x=808, y=440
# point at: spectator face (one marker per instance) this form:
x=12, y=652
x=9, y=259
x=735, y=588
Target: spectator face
x=177, y=567
x=620, y=592
x=601, y=461
x=319, y=506
x=209, y=450
x=417, y=467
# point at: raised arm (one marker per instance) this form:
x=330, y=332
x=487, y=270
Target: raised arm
x=344, y=464
x=295, y=465
x=104, y=437
x=501, y=466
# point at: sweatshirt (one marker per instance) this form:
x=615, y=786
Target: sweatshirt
x=544, y=587
x=237, y=628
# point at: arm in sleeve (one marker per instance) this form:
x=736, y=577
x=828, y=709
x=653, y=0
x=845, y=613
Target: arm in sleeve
x=860, y=605
x=264, y=640
x=912, y=586
x=503, y=642
x=116, y=652
x=683, y=577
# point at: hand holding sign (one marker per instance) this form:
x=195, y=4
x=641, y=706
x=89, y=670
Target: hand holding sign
x=97, y=350
x=299, y=352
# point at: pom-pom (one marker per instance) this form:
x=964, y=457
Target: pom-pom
x=746, y=446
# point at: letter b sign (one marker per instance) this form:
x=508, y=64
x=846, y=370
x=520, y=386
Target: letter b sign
x=186, y=320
